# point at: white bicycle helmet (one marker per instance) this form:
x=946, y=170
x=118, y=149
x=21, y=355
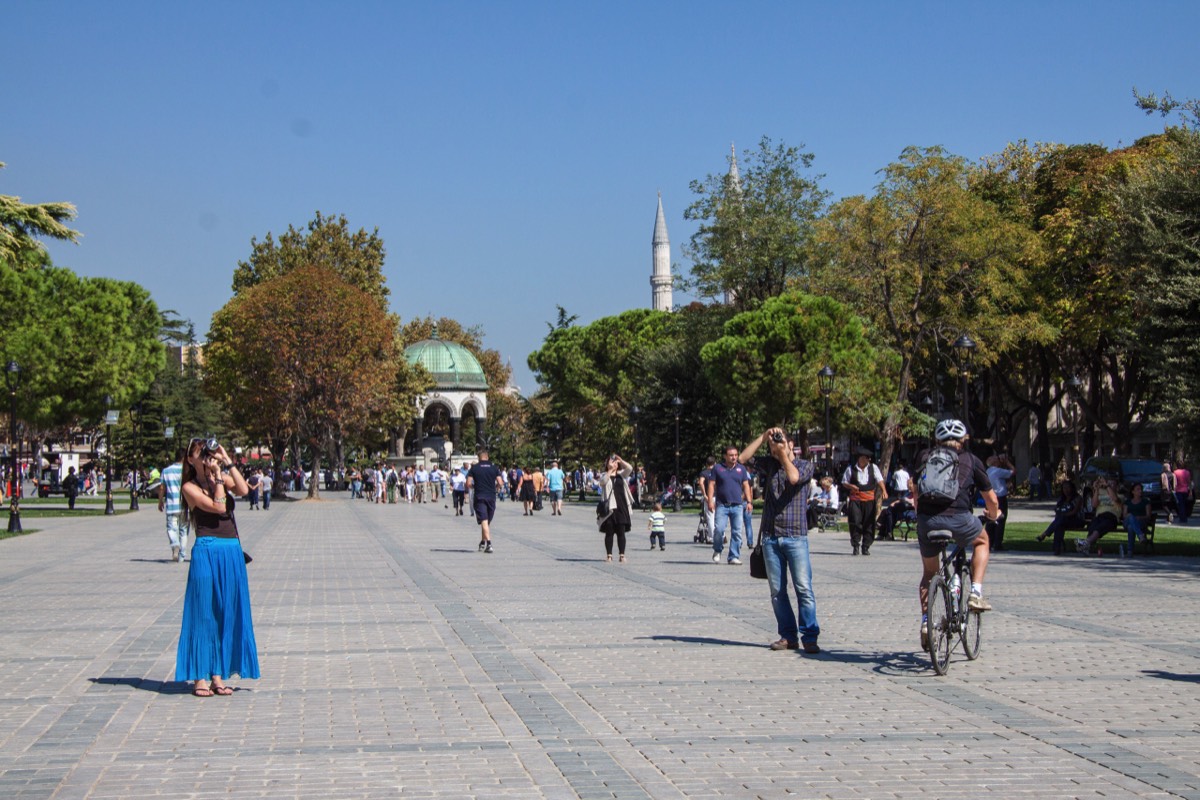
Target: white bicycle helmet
x=950, y=429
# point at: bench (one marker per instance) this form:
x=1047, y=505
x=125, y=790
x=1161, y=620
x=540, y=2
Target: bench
x=1149, y=543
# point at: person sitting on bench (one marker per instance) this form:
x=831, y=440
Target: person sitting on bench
x=1068, y=513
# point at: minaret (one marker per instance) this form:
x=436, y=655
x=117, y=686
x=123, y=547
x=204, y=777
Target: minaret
x=734, y=183
x=660, y=278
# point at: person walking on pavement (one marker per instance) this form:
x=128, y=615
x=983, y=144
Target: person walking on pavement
x=484, y=481
x=556, y=481
x=70, y=487
x=726, y=498
x=865, y=483
x=783, y=533
x=170, y=503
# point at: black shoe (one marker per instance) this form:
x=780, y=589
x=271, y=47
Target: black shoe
x=855, y=551
x=488, y=549
x=866, y=552
x=811, y=648
x=482, y=544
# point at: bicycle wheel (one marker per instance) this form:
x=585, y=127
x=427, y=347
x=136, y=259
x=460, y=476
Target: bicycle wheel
x=971, y=620
x=941, y=636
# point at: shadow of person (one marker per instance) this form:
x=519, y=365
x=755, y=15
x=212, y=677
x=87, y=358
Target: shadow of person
x=702, y=640
x=1172, y=676
x=145, y=685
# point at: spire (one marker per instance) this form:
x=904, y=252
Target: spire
x=660, y=225
x=734, y=176
x=434, y=335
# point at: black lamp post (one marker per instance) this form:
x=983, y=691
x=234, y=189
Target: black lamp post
x=136, y=414
x=1073, y=384
x=964, y=348
x=13, y=374
x=634, y=413
x=677, y=406
x=111, y=418
x=582, y=469
x=826, y=377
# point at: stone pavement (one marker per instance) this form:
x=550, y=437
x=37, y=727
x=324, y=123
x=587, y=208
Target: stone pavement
x=399, y=661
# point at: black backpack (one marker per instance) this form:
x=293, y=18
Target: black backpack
x=939, y=475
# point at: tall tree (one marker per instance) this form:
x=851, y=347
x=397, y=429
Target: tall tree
x=327, y=242
x=753, y=234
x=22, y=224
x=310, y=372
x=924, y=260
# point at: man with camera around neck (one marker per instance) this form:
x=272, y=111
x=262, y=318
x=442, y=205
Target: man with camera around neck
x=783, y=533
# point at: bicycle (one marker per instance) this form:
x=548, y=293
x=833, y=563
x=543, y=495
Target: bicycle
x=948, y=615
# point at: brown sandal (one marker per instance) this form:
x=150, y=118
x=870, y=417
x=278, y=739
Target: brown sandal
x=224, y=691
x=202, y=691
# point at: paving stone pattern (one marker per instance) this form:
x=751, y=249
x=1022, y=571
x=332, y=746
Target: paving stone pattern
x=398, y=661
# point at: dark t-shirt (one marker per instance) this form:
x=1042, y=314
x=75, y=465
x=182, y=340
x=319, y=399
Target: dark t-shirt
x=729, y=483
x=971, y=475
x=483, y=477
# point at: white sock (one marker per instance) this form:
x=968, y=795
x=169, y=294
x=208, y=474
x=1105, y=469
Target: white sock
x=977, y=588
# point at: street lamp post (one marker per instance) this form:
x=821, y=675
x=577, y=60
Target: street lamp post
x=582, y=469
x=13, y=374
x=825, y=380
x=634, y=413
x=1073, y=384
x=677, y=406
x=111, y=417
x=169, y=435
x=136, y=414
x=964, y=347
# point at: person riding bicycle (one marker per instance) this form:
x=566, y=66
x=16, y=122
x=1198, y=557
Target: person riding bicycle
x=942, y=487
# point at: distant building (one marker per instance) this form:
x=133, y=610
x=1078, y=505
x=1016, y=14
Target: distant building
x=180, y=356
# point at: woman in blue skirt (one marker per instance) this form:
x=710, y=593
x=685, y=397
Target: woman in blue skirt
x=217, y=638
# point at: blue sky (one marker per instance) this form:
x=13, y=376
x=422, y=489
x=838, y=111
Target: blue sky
x=510, y=152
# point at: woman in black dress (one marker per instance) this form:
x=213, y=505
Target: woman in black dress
x=613, y=515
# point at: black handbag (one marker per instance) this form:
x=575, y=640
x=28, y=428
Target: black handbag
x=758, y=562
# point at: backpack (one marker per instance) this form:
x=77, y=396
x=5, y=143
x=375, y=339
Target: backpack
x=939, y=476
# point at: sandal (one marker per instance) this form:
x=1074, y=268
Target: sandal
x=202, y=691
x=224, y=691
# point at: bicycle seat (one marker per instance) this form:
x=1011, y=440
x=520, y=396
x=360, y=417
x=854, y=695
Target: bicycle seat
x=940, y=537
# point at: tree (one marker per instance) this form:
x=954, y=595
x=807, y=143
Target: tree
x=357, y=258
x=22, y=224
x=924, y=260
x=767, y=359
x=1161, y=204
x=310, y=372
x=753, y=234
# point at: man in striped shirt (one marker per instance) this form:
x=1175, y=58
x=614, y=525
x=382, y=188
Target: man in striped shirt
x=169, y=502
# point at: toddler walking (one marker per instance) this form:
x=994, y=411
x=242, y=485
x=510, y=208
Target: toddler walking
x=657, y=524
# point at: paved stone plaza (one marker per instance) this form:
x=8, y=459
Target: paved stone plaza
x=399, y=661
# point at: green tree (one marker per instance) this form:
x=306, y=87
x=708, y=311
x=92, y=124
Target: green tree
x=768, y=359
x=1161, y=205
x=924, y=260
x=22, y=224
x=327, y=242
x=310, y=372
x=752, y=242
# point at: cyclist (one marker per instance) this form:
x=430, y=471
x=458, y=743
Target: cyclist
x=936, y=511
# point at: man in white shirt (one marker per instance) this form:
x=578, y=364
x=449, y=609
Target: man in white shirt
x=900, y=479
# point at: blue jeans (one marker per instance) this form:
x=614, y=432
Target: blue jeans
x=1181, y=501
x=783, y=554
x=748, y=524
x=1135, y=529
x=728, y=513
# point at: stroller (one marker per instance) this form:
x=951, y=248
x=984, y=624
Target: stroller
x=703, y=532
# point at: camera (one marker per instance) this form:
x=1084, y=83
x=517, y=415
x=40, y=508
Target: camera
x=209, y=447
x=777, y=437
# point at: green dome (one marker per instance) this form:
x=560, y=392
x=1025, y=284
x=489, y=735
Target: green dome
x=451, y=365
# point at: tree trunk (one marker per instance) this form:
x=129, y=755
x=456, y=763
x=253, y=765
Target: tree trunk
x=314, y=492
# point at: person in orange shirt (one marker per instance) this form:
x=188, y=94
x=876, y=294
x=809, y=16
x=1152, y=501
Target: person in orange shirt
x=864, y=482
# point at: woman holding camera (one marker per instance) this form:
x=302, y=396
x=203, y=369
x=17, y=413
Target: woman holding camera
x=217, y=637
x=616, y=500
x=1106, y=506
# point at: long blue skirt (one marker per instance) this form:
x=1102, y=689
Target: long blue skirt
x=217, y=637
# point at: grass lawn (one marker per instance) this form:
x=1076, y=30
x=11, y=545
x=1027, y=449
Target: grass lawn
x=1169, y=540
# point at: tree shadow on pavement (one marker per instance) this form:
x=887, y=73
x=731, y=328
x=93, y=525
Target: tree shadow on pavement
x=703, y=640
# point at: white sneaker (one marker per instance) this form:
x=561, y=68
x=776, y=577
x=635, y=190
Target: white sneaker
x=737, y=562
x=716, y=558
x=1081, y=546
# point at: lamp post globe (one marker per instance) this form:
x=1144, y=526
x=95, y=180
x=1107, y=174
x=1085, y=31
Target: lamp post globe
x=110, y=418
x=12, y=373
x=677, y=407
x=826, y=378
x=582, y=469
x=964, y=348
